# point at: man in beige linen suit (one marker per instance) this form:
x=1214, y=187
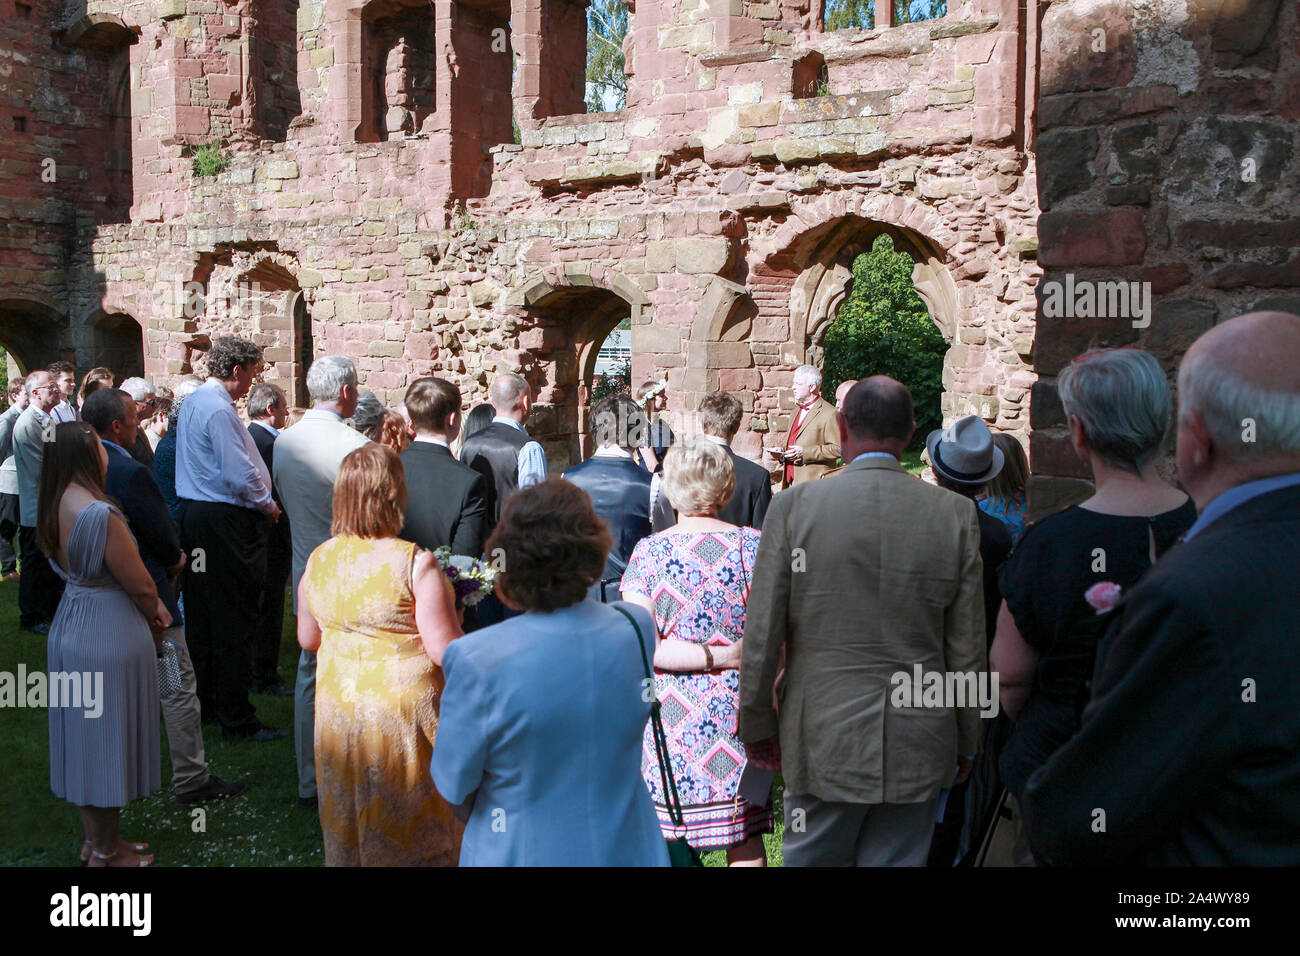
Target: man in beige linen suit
x=306, y=463
x=859, y=580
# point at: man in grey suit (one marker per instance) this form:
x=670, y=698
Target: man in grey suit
x=866, y=583
x=39, y=588
x=306, y=463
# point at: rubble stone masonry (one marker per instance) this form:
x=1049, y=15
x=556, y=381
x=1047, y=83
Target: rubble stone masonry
x=375, y=202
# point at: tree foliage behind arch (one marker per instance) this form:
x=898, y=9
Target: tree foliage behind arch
x=883, y=328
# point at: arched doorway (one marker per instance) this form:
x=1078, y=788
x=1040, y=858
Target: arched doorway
x=116, y=341
x=574, y=322
x=31, y=332
x=905, y=306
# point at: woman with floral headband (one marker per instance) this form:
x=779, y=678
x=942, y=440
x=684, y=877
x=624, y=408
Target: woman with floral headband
x=653, y=399
x=1070, y=568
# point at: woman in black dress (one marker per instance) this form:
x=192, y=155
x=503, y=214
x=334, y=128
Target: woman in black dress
x=1070, y=569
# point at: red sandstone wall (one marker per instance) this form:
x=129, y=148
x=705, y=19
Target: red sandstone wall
x=721, y=211
x=1166, y=155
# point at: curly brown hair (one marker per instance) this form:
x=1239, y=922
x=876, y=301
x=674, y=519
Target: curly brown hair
x=553, y=544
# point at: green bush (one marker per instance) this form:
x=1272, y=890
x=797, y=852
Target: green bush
x=210, y=159
x=883, y=328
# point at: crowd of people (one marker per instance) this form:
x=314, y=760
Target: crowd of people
x=936, y=679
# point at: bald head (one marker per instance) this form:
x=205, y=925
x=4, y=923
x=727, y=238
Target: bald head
x=1239, y=403
x=877, y=416
x=842, y=391
x=511, y=396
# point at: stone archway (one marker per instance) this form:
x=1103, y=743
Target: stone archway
x=116, y=341
x=31, y=331
x=567, y=316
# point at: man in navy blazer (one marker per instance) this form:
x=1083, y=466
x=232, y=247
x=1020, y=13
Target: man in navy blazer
x=1187, y=754
x=720, y=414
x=269, y=410
x=112, y=413
x=446, y=501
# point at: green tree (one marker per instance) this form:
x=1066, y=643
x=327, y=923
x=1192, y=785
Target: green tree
x=606, y=82
x=861, y=14
x=883, y=328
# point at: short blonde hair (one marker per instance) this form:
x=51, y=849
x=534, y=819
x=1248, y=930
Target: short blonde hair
x=699, y=478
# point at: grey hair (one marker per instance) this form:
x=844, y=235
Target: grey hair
x=27, y=382
x=1229, y=403
x=369, y=413
x=186, y=386
x=327, y=376
x=1121, y=397
x=264, y=395
x=138, y=388
x=809, y=373
x=506, y=391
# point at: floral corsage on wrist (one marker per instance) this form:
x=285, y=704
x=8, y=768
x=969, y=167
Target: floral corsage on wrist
x=470, y=578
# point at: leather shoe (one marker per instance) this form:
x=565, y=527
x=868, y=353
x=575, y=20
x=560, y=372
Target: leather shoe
x=259, y=733
x=40, y=627
x=276, y=688
x=214, y=789
x=308, y=803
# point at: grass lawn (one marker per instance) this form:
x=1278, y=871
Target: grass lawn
x=264, y=827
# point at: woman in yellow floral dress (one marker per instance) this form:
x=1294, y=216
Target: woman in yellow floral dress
x=378, y=612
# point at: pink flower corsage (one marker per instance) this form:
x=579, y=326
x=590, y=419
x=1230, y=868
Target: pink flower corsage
x=1103, y=596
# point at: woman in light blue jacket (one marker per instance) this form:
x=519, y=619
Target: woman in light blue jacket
x=539, y=739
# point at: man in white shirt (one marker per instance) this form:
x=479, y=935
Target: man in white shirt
x=226, y=513
x=268, y=407
x=65, y=375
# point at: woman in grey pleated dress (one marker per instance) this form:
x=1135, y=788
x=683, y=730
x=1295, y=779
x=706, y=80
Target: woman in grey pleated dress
x=104, y=740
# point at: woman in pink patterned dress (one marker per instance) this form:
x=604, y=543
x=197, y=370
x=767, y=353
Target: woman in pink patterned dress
x=694, y=578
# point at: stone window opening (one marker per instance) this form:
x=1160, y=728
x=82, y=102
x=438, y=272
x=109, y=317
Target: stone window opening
x=878, y=14
x=550, y=41
x=398, y=68
x=273, y=42
x=106, y=44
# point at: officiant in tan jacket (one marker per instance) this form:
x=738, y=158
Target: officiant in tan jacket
x=858, y=580
x=813, y=445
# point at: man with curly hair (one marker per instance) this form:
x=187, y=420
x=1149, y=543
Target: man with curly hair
x=226, y=513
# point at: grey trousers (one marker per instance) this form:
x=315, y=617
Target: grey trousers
x=184, y=724
x=304, y=723
x=824, y=833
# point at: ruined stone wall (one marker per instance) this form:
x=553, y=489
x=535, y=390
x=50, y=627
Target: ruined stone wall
x=720, y=211
x=1166, y=155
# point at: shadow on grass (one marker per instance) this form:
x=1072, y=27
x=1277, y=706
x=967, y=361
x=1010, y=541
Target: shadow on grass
x=263, y=827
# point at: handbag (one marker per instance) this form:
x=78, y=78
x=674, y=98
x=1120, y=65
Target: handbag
x=680, y=853
x=169, y=670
